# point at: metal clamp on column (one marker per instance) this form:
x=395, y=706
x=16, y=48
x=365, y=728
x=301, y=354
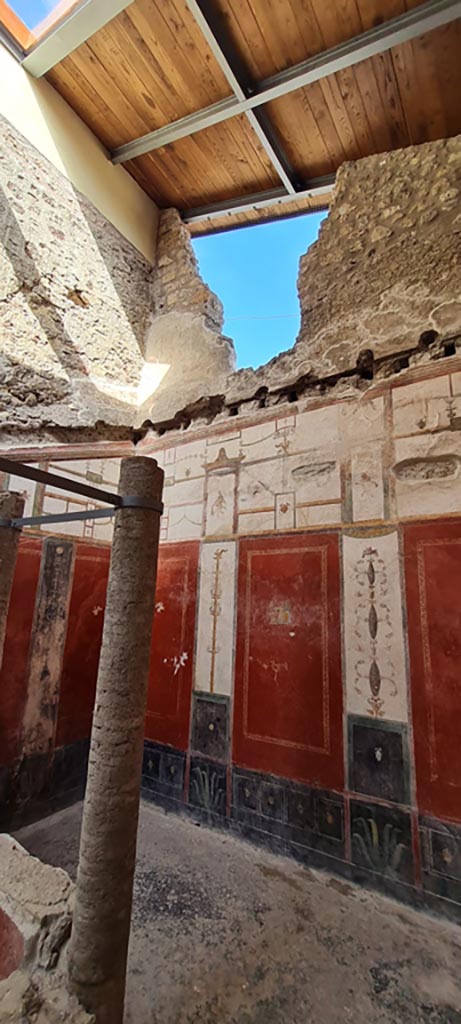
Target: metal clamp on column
x=131, y=501
x=12, y=524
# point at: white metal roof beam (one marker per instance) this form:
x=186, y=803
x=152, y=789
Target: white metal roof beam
x=259, y=200
x=81, y=23
x=410, y=25
x=230, y=62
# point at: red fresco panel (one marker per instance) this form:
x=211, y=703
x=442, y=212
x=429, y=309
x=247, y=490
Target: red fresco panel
x=172, y=651
x=83, y=643
x=433, y=586
x=13, y=676
x=288, y=690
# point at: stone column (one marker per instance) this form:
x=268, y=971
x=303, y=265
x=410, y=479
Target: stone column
x=11, y=506
x=100, y=934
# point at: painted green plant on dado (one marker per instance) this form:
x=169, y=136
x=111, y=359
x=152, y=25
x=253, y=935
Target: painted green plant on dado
x=381, y=852
x=206, y=790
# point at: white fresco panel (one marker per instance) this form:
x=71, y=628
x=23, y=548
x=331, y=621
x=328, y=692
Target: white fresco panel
x=215, y=621
x=185, y=522
x=373, y=628
x=318, y=515
x=256, y=522
x=427, y=474
x=220, y=504
x=367, y=484
x=421, y=407
x=285, y=511
x=362, y=419
x=317, y=426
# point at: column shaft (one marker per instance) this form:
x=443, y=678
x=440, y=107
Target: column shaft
x=99, y=943
x=11, y=506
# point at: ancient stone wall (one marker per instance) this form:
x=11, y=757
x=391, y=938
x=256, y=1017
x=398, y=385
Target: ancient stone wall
x=377, y=290
x=185, y=336
x=177, y=284
x=387, y=264
x=90, y=333
x=74, y=302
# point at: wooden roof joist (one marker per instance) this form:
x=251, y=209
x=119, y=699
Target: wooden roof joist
x=234, y=111
x=317, y=189
x=377, y=40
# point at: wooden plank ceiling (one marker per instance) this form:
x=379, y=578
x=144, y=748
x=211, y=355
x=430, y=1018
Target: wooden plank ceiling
x=151, y=65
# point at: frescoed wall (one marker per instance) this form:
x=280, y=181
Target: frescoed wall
x=325, y=699
x=54, y=629
x=304, y=682
x=288, y=693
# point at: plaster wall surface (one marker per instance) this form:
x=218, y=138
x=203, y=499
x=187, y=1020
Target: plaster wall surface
x=185, y=337
x=44, y=118
x=323, y=706
x=74, y=302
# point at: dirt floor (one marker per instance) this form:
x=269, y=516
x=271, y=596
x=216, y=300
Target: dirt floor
x=225, y=933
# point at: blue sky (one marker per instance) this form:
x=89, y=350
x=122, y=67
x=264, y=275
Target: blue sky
x=254, y=272
x=31, y=12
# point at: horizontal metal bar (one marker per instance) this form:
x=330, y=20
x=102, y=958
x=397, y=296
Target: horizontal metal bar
x=376, y=40
x=41, y=476
x=64, y=484
x=81, y=23
x=258, y=200
x=180, y=129
x=64, y=517
x=75, y=517
x=406, y=26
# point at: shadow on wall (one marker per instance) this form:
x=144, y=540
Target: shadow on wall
x=51, y=368
x=75, y=302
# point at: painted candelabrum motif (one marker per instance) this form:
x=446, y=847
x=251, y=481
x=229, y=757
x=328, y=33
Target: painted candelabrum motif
x=373, y=631
x=283, y=439
x=215, y=612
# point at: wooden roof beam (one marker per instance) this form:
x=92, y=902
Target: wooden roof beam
x=259, y=200
x=429, y=15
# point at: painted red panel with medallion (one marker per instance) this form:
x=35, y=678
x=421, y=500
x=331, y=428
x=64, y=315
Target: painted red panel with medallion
x=83, y=642
x=172, y=651
x=13, y=676
x=433, y=586
x=288, y=691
